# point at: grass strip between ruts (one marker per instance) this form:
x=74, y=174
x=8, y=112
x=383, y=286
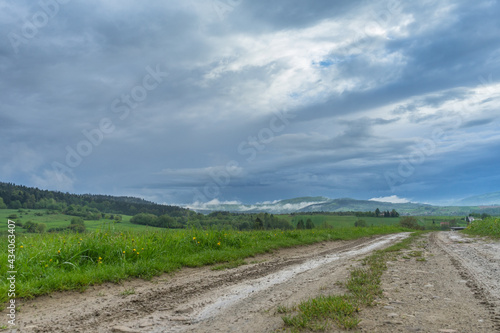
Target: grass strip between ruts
x=363, y=286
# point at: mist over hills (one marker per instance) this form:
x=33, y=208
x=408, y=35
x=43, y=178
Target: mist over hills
x=492, y=198
x=323, y=204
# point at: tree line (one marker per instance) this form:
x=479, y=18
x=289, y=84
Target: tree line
x=17, y=196
x=219, y=220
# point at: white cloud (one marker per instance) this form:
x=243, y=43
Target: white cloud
x=391, y=199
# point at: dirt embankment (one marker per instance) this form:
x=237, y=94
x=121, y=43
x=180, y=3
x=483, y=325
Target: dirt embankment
x=446, y=283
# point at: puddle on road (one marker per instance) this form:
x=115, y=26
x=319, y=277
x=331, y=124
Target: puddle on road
x=242, y=291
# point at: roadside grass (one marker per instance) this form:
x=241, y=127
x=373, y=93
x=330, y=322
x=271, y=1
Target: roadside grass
x=487, y=227
x=66, y=261
x=363, y=286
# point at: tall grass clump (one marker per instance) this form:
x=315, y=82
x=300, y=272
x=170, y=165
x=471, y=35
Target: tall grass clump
x=487, y=227
x=71, y=261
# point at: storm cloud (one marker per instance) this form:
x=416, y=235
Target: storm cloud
x=249, y=101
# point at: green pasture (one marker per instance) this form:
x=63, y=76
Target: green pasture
x=58, y=220
x=336, y=221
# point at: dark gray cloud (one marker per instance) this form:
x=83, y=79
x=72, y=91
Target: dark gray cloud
x=304, y=97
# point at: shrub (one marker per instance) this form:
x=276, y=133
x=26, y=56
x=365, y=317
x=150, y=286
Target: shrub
x=360, y=223
x=410, y=222
x=309, y=224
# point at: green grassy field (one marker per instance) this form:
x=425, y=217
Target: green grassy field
x=62, y=261
x=62, y=220
x=341, y=221
x=348, y=221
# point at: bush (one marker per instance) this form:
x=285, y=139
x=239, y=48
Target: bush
x=77, y=221
x=410, y=222
x=360, y=223
x=80, y=228
x=77, y=225
x=33, y=227
x=144, y=219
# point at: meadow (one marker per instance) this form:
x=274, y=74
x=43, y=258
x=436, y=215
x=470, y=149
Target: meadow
x=487, y=227
x=56, y=219
x=68, y=261
x=335, y=221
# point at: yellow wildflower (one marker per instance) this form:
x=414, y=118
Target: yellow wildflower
x=21, y=246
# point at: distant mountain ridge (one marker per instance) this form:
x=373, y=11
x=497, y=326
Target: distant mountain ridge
x=323, y=204
x=492, y=198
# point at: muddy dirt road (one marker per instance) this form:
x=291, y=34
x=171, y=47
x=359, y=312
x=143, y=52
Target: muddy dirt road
x=453, y=287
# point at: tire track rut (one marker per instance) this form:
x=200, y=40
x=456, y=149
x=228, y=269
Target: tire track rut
x=170, y=296
x=474, y=267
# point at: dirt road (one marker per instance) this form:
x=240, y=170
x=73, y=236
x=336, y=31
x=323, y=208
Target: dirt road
x=453, y=287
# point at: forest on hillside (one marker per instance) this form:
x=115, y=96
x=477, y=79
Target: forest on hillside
x=85, y=205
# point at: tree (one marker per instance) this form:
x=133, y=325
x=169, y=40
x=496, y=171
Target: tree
x=300, y=225
x=394, y=213
x=309, y=224
x=360, y=223
x=166, y=221
x=2, y=204
x=16, y=204
x=258, y=224
x=377, y=212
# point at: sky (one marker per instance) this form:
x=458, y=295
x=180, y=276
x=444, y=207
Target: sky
x=245, y=101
